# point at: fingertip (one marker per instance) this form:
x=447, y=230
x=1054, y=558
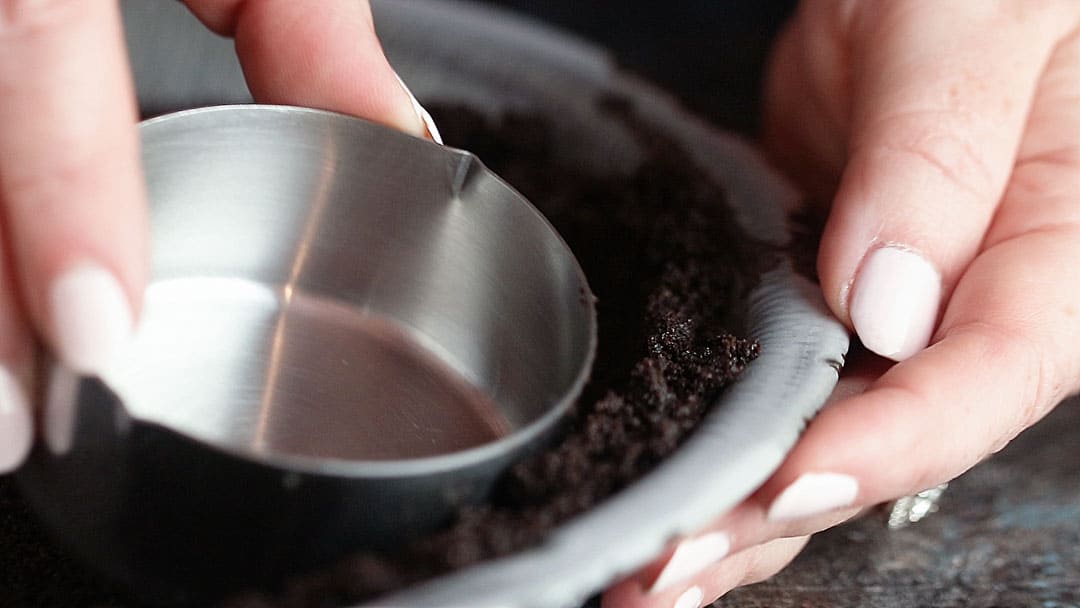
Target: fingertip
x=427, y=129
x=329, y=59
x=16, y=422
x=881, y=272
x=895, y=301
x=843, y=246
x=91, y=317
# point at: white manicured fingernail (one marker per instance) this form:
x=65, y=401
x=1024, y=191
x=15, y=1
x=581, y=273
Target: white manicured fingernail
x=91, y=318
x=894, y=302
x=814, y=494
x=424, y=116
x=691, y=557
x=691, y=598
x=16, y=424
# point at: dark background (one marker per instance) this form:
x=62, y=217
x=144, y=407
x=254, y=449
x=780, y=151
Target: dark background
x=709, y=53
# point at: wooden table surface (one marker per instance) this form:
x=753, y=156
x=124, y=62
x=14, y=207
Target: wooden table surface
x=1007, y=534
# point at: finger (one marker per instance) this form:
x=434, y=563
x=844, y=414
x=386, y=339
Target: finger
x=328, y=58
x=16, y=362
x=751, y=565
x=940, y=95
x=70, y=183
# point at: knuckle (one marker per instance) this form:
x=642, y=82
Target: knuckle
x=1049, y=175
x=38, y=187
x=955, y=158
x=1043, y=382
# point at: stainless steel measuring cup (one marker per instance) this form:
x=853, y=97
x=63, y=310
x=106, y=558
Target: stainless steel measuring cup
x=349, y=333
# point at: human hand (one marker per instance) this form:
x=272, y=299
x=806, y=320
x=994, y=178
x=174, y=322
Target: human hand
x=947, y=136
x=73, y=223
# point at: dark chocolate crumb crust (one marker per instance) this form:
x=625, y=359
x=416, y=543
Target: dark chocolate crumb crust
x=670, y=268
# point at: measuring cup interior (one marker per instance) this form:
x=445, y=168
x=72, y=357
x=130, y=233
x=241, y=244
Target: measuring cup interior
x=326, y=288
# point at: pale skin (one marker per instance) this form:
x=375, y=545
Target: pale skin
x=944, y=136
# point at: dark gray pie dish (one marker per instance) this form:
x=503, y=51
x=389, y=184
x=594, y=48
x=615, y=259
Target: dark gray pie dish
x=458, y=53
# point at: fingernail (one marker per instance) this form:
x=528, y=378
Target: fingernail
x=16, y=425
x=692, y=556
x=894, y=302
x=91, y=318
x=814, y=494
x=691, y=598
x=425, y=118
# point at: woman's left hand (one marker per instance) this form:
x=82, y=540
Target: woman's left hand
x=947, y=136
x=73, y=218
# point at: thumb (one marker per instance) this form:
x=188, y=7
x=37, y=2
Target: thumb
x=940, y=93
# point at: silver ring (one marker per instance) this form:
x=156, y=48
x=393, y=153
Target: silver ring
x=912, y=509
